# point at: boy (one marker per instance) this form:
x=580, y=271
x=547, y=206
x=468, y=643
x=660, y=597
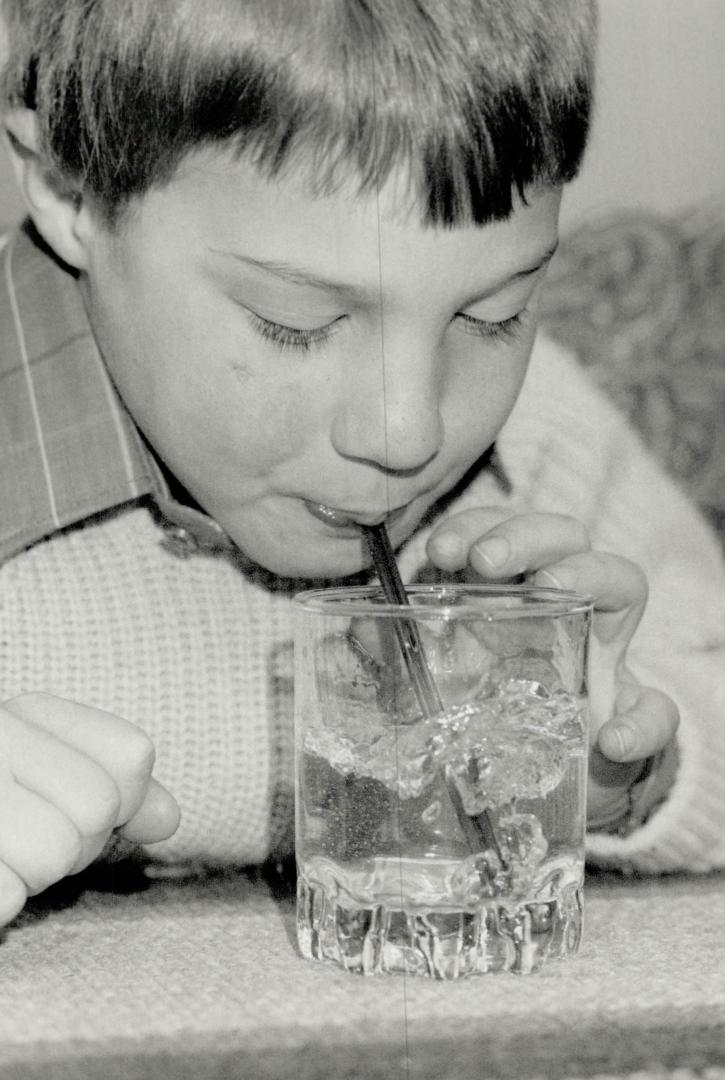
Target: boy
x=281, y=279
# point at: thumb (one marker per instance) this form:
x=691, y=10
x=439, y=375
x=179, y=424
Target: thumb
x=157, y=817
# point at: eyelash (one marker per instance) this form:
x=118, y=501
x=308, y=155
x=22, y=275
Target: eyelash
x=497, y=331
x=287, y=337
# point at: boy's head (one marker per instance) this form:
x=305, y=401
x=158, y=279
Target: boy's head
x=310, y=234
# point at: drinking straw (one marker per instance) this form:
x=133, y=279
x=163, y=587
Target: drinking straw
x=478, y=831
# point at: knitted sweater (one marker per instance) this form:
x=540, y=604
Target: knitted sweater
x=198, y=651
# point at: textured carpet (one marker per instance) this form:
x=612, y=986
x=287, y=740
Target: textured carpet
x=118, y=977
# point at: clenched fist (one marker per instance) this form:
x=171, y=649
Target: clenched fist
x=70, y=775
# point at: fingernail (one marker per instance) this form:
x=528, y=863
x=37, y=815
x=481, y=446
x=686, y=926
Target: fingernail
x=625, y=737
x=495, y=552
x=448, y=545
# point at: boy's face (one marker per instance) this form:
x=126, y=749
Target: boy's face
x=284, y=353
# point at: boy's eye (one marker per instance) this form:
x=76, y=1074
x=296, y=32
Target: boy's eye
x=506, y=328
x=289, y=337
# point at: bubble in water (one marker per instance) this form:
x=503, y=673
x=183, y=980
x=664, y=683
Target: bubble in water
x=432, y=812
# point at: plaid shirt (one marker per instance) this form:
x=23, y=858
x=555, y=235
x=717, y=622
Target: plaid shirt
x=68, y=447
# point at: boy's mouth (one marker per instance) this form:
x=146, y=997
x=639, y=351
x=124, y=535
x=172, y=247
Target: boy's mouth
x=351, y=520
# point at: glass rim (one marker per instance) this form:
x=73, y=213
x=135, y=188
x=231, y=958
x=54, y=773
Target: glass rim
x=545, y=602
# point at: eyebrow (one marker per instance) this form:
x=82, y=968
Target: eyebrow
x=300, y=275
x=296, y=275
x=541, y=261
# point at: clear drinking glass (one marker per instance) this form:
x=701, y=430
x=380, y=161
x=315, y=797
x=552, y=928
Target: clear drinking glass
x=442, y=841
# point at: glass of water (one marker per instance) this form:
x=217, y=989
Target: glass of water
x=441, y=841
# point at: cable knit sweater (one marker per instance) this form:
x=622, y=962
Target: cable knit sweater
x=198, y=650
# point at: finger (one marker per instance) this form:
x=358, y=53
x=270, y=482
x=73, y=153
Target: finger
x=450, y=542
x=617, y=586
x=118, y=746
x=91, y=848
x=156, y=819
x=37, y=842
x=608, y=783
x=13, y=894
x=517, y=545
x=644, y=722
x=61, y=774
x=612, y=580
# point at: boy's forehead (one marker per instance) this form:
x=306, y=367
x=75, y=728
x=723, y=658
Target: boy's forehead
x=219, y=179
x=298, y=179
x=283, y=231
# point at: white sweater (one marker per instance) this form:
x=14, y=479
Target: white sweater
x=199, y=654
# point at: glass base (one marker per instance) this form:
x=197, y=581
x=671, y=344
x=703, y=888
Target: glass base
x=444, y=941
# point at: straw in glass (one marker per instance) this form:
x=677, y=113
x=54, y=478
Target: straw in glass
x=478, y=831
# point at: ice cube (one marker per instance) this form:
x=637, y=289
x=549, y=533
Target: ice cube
x=514, y=743
x=523, y=847
x=526, y=767
x=511, y=741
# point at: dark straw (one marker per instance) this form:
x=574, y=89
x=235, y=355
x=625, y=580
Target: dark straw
x=478, y=831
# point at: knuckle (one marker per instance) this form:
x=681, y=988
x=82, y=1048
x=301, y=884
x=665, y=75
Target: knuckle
x=13, y=895
x=61, y=851
x=637, y=580
x=670, y=712
x=66, y=854
x=577, y=532
x=617, y=567
x=101, y=812
x=141, y=753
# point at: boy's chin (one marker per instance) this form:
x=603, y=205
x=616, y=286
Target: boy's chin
x=325, y=562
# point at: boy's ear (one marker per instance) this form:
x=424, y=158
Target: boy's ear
x=55, y=203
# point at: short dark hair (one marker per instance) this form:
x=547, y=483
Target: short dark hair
x=477, y=99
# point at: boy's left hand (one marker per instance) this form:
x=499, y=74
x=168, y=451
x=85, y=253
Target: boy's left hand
x=630, y=722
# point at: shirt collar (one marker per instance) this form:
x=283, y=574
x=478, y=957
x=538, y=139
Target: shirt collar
x=68, y=447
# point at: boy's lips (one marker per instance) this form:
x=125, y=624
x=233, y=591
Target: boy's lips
x=338, y=518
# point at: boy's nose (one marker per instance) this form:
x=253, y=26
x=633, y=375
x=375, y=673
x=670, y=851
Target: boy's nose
x=390, y=413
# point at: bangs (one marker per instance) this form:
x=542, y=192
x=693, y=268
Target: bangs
x=475, y=101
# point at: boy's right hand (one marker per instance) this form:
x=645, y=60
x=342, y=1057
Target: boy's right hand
x=70, y=775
